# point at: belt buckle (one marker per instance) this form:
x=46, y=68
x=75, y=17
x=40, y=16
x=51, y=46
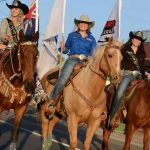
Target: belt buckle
x=136, y=73
x=82, y=57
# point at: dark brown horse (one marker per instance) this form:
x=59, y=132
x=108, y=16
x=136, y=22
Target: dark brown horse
x=18, y=73
x=85, y=100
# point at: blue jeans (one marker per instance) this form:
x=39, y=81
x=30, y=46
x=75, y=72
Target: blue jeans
x=64, y=76
x=120, y=91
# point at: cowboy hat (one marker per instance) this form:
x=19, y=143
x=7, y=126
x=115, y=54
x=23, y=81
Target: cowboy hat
x=137, y=35
x=85, y=19
x=18, y=4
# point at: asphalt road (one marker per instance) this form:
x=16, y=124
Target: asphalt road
x=30, y=135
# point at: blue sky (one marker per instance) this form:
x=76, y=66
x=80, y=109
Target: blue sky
x=135, y=14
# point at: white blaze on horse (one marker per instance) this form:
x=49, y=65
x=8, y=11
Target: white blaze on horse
x=84, y=97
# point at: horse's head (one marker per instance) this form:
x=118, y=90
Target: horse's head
x=107, y=60
x=28, y=53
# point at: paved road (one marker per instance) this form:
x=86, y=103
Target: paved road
x=30, y=136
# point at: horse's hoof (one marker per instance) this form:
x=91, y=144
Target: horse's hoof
x=13, y=146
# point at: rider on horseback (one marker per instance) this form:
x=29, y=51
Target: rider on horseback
x=133, y=68
x=79, y=46
x=10, y=27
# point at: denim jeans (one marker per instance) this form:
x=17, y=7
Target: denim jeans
x=120, y=91
x=64, y=76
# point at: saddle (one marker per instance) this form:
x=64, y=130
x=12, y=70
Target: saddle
x=52, y=78
x=53, y=75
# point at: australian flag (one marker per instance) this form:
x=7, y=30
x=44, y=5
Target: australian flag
x=30, y=20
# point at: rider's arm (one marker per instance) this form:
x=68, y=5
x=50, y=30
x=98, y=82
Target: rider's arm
x=3, y=31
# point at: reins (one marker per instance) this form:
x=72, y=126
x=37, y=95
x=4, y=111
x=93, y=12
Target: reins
x=102, y=74
x=90, y=104
x=15, y=74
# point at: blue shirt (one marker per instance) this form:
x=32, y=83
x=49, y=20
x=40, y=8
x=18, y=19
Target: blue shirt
x=76, y=44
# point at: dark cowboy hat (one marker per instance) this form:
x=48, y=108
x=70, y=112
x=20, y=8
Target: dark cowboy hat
x=86, y=19
x=18, y=4
x=137, y=35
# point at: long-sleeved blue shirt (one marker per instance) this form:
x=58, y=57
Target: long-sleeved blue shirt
x=76, y=44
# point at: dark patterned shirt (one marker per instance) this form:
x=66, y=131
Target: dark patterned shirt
x=133, y=61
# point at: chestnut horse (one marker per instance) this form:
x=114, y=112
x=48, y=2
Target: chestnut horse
x=18, y=69
x=138, y=114
x=85, y=98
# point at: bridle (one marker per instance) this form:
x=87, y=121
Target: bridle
x=104, y=75
x=19, y=73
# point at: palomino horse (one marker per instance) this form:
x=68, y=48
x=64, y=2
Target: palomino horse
x=18, y=69
x=138, y=114
x=84, y=98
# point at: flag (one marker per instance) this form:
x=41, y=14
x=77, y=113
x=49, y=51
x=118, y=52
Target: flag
x=31, y=19
x=112, y=26
x=48, y=51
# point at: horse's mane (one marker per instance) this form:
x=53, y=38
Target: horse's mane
x=28, y=38
x=99, y=51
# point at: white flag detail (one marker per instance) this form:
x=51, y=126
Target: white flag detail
x=112, y=26
x=48, y=52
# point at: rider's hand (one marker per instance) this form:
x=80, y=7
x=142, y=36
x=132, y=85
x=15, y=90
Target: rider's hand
x=62, y=45
x=8, y=37
x=147, y=74
x=2, y=46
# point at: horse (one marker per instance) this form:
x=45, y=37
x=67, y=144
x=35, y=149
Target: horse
x=135, y=118
x=138, y=114
x=18, y=75
x=84, y=101
x=119, y=116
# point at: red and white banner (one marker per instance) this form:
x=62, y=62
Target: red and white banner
x=112, y=26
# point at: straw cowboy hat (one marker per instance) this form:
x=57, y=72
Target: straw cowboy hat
x=86, y=19
x=137, y=35
x=18, y=4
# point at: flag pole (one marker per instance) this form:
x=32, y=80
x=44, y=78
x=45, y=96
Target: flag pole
x=62, y=31
x=37, y=16
x=120, y=8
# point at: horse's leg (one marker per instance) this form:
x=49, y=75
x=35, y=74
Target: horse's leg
x=19, y=113
x=106, y=136
x=47, y=128
x=0, y=123
x=72, y=122
x=91, y=129
x=129, y=134
x=146, y=141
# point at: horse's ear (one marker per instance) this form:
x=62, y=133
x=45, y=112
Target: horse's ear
x=36, y=36
x=21, y=35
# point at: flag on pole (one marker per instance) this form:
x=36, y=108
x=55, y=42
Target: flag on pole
x=112, y=26
x=31, y=19
x=48, y=52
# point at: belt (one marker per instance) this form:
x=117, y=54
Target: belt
x=135, y=73
x=81, y=57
